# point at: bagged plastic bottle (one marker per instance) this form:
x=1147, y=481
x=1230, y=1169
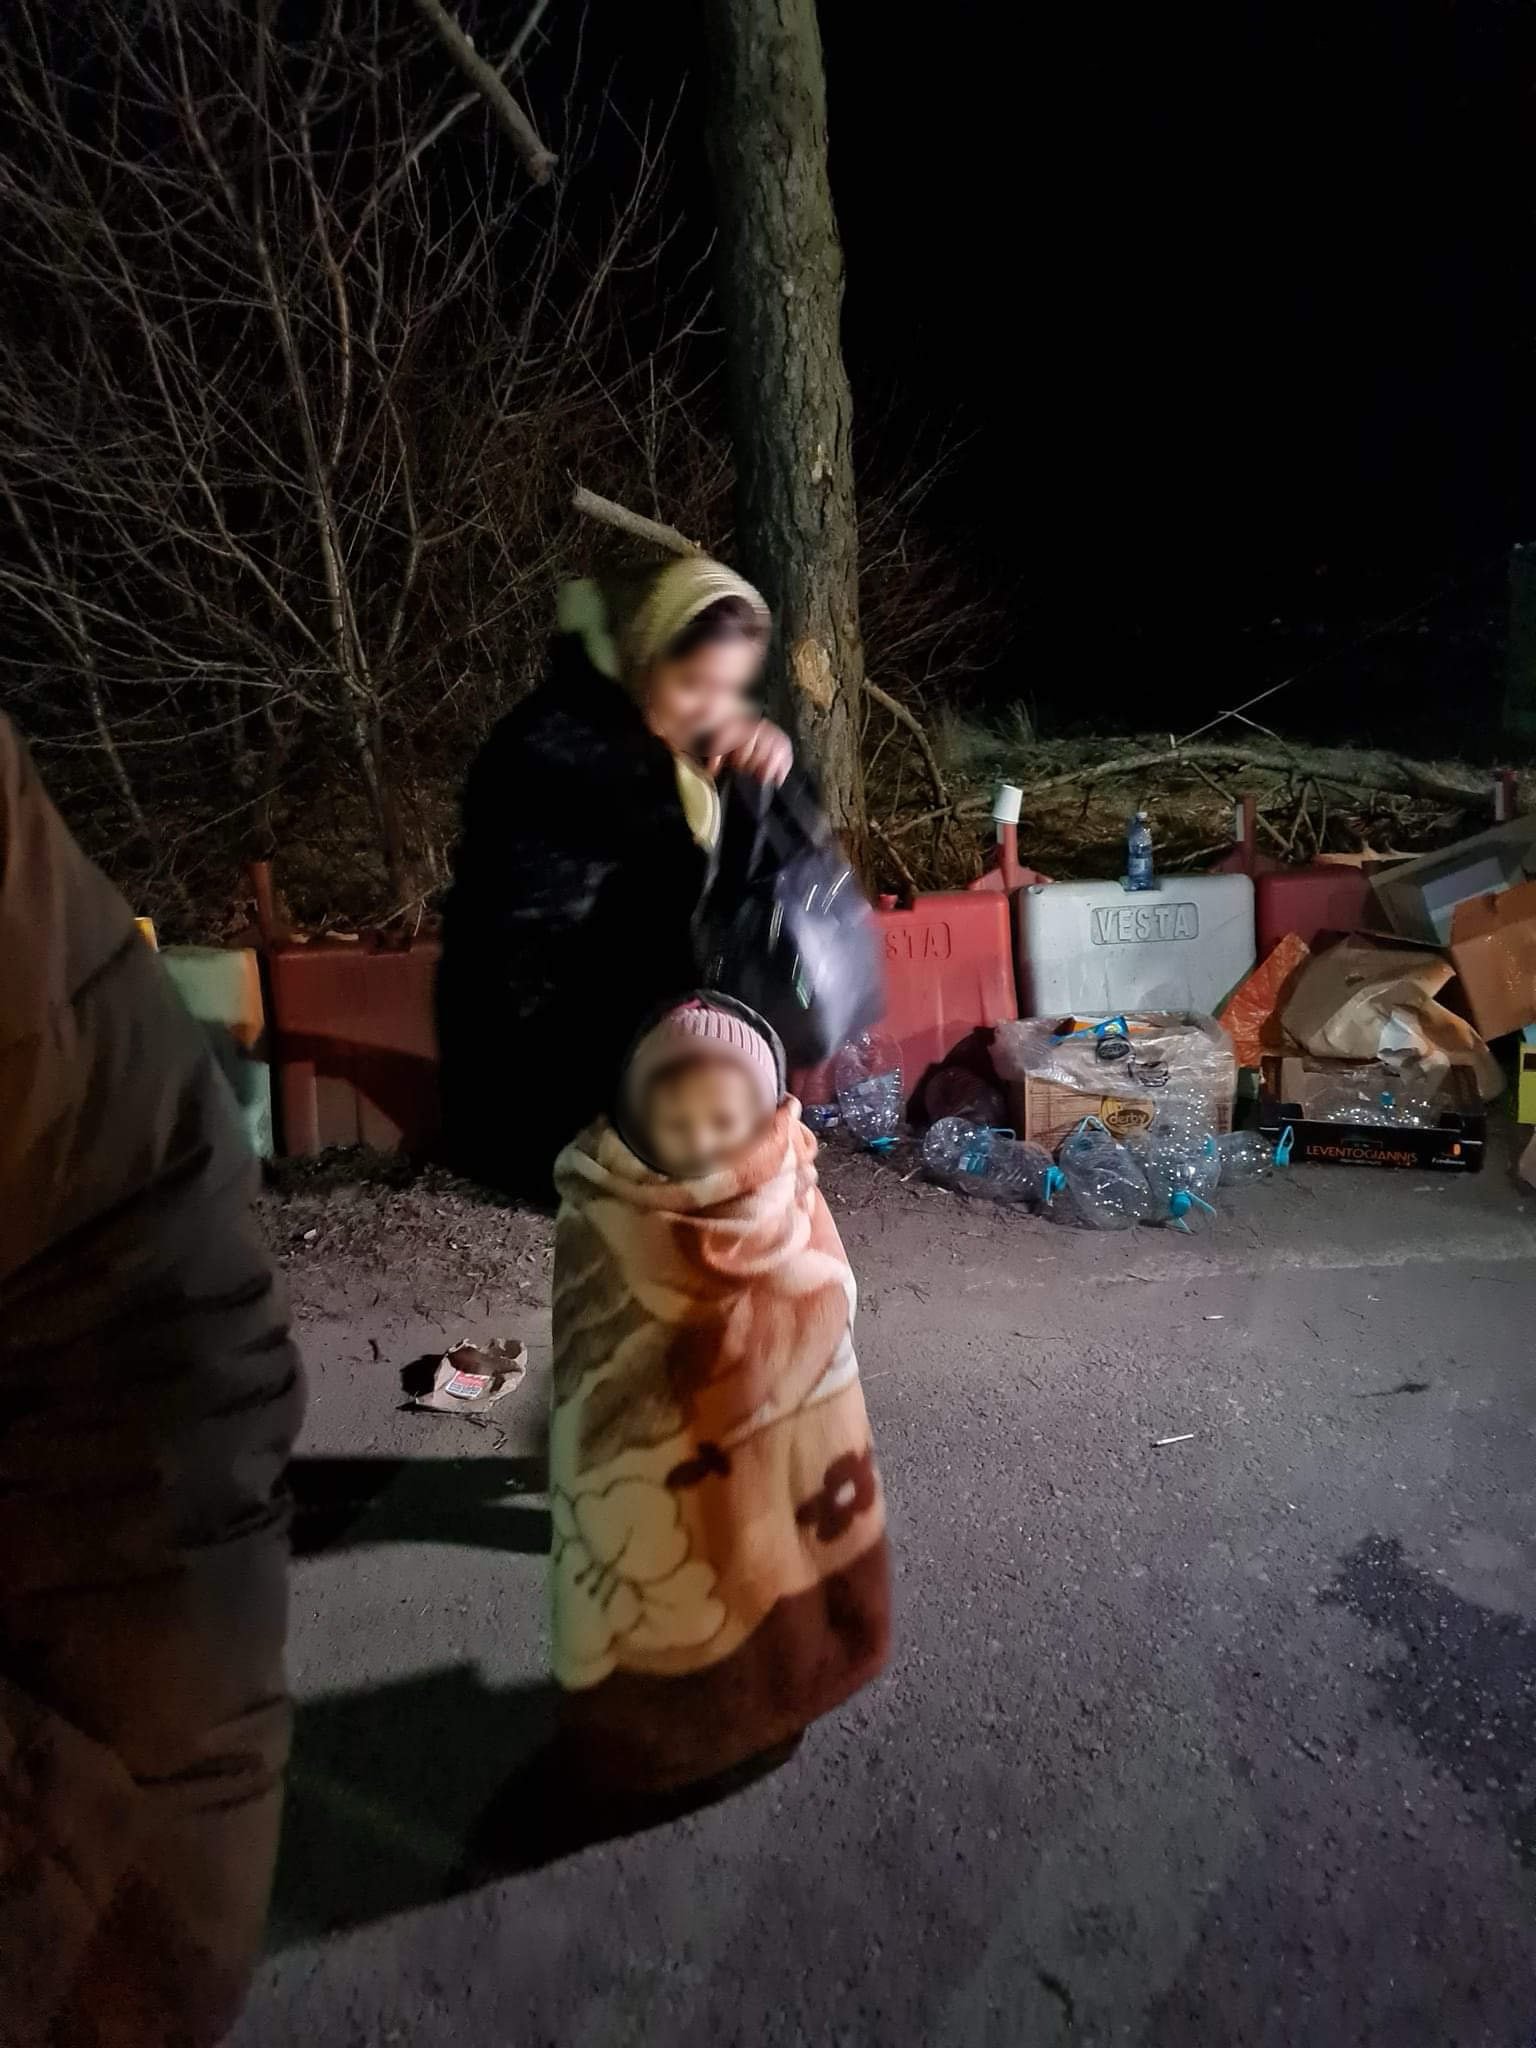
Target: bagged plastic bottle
x=980, y=1160
x=1103, y=1187
x=1243, y=1157
x=869, y=1094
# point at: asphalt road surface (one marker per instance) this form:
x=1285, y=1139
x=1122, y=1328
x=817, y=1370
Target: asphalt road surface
x=1227, y=1740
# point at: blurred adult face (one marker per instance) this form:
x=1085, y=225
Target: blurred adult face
x=690, y=699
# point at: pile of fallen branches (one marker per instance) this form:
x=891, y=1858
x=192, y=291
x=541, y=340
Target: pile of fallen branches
x=1077, y=794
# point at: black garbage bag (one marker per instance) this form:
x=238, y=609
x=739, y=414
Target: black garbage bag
x=784, y=926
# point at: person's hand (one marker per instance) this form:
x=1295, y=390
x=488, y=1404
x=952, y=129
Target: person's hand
x=757, y=748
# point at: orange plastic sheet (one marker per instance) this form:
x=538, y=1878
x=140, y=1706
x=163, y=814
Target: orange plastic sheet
x=1251, y=1017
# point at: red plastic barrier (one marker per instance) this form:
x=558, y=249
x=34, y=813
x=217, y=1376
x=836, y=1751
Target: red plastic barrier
x=948, y=973
x=1329, y=897
x=354, y=1047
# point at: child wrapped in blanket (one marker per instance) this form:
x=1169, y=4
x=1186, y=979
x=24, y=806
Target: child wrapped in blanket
x=719, y=1567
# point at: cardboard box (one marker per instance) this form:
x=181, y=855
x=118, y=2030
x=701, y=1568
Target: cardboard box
x=1053, y=1082
x=1493, y=950
x=1419, y=897
x=1048, y=1112
x=1366, y=997
x=1455, y=1145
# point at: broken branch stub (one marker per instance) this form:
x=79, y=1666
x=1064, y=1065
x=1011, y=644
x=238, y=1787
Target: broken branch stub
x=538, y=160
x=652, y=531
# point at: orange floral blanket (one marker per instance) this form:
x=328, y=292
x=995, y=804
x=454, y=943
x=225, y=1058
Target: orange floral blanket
x=719, y=1568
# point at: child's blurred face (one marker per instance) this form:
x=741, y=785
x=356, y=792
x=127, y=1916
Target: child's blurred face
x=699, y=1114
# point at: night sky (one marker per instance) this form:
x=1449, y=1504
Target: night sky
x=1229, y=312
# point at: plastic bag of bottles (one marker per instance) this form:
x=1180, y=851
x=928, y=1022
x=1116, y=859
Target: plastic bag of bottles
x=867, y=1076
x=1103, y=1186
x=979, y=1159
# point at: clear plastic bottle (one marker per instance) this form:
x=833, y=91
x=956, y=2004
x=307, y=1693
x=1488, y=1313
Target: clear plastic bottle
x=1407, y=1108
x=1104, y=1187
x=1189, y=1212
x=980, y=1160
x=1139, y=872
x=1182, y=1174
x=1344, y=1100
x=1243, y=1157
x=1183, y=1120
x=869, y=1093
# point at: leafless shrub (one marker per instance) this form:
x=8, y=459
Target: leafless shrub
x=295, y=367
x=296, y=370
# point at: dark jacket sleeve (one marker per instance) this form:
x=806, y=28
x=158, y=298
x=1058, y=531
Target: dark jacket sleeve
x=149, y=1396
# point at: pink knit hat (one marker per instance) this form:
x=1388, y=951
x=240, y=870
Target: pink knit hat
x=705, y=1029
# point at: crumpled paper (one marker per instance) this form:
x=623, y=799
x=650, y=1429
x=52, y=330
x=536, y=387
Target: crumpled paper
x=469, y=1378
x=1363, y=1002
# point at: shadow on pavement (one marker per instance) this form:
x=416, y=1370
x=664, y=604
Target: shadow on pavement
x=387, y=1784
x=403, y=1794
x=1466, y=1689
x=344, y=1503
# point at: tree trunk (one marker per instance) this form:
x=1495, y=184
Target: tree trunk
x=782, y=287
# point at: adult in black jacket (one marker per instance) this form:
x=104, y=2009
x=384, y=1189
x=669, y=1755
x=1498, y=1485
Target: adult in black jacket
x=589, y=826
x=149, y=1395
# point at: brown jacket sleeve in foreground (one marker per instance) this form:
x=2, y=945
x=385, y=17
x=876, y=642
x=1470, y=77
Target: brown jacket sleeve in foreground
x=149, y=1396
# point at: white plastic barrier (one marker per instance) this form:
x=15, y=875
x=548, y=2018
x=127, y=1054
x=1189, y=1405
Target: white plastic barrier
x=1097, y=947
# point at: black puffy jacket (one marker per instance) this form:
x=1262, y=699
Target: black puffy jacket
x=569, y=921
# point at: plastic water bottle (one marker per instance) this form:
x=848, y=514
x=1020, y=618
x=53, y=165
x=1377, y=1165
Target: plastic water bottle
x=1344, y=1101
x=868, y=1080
x=980, y=1160
x=1356, y=1100
x=1243, y=1157
x=1183, y=1176
x=1138, y=853
x=1408, y=1109
x=1104, y=1186
x=1183, y=1120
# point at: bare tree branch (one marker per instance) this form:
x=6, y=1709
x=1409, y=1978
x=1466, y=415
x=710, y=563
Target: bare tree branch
x=487, y=80
x=286, y=434
x=904, y=716
x=635, y=524
x=1316, y=763
x=460, y=107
